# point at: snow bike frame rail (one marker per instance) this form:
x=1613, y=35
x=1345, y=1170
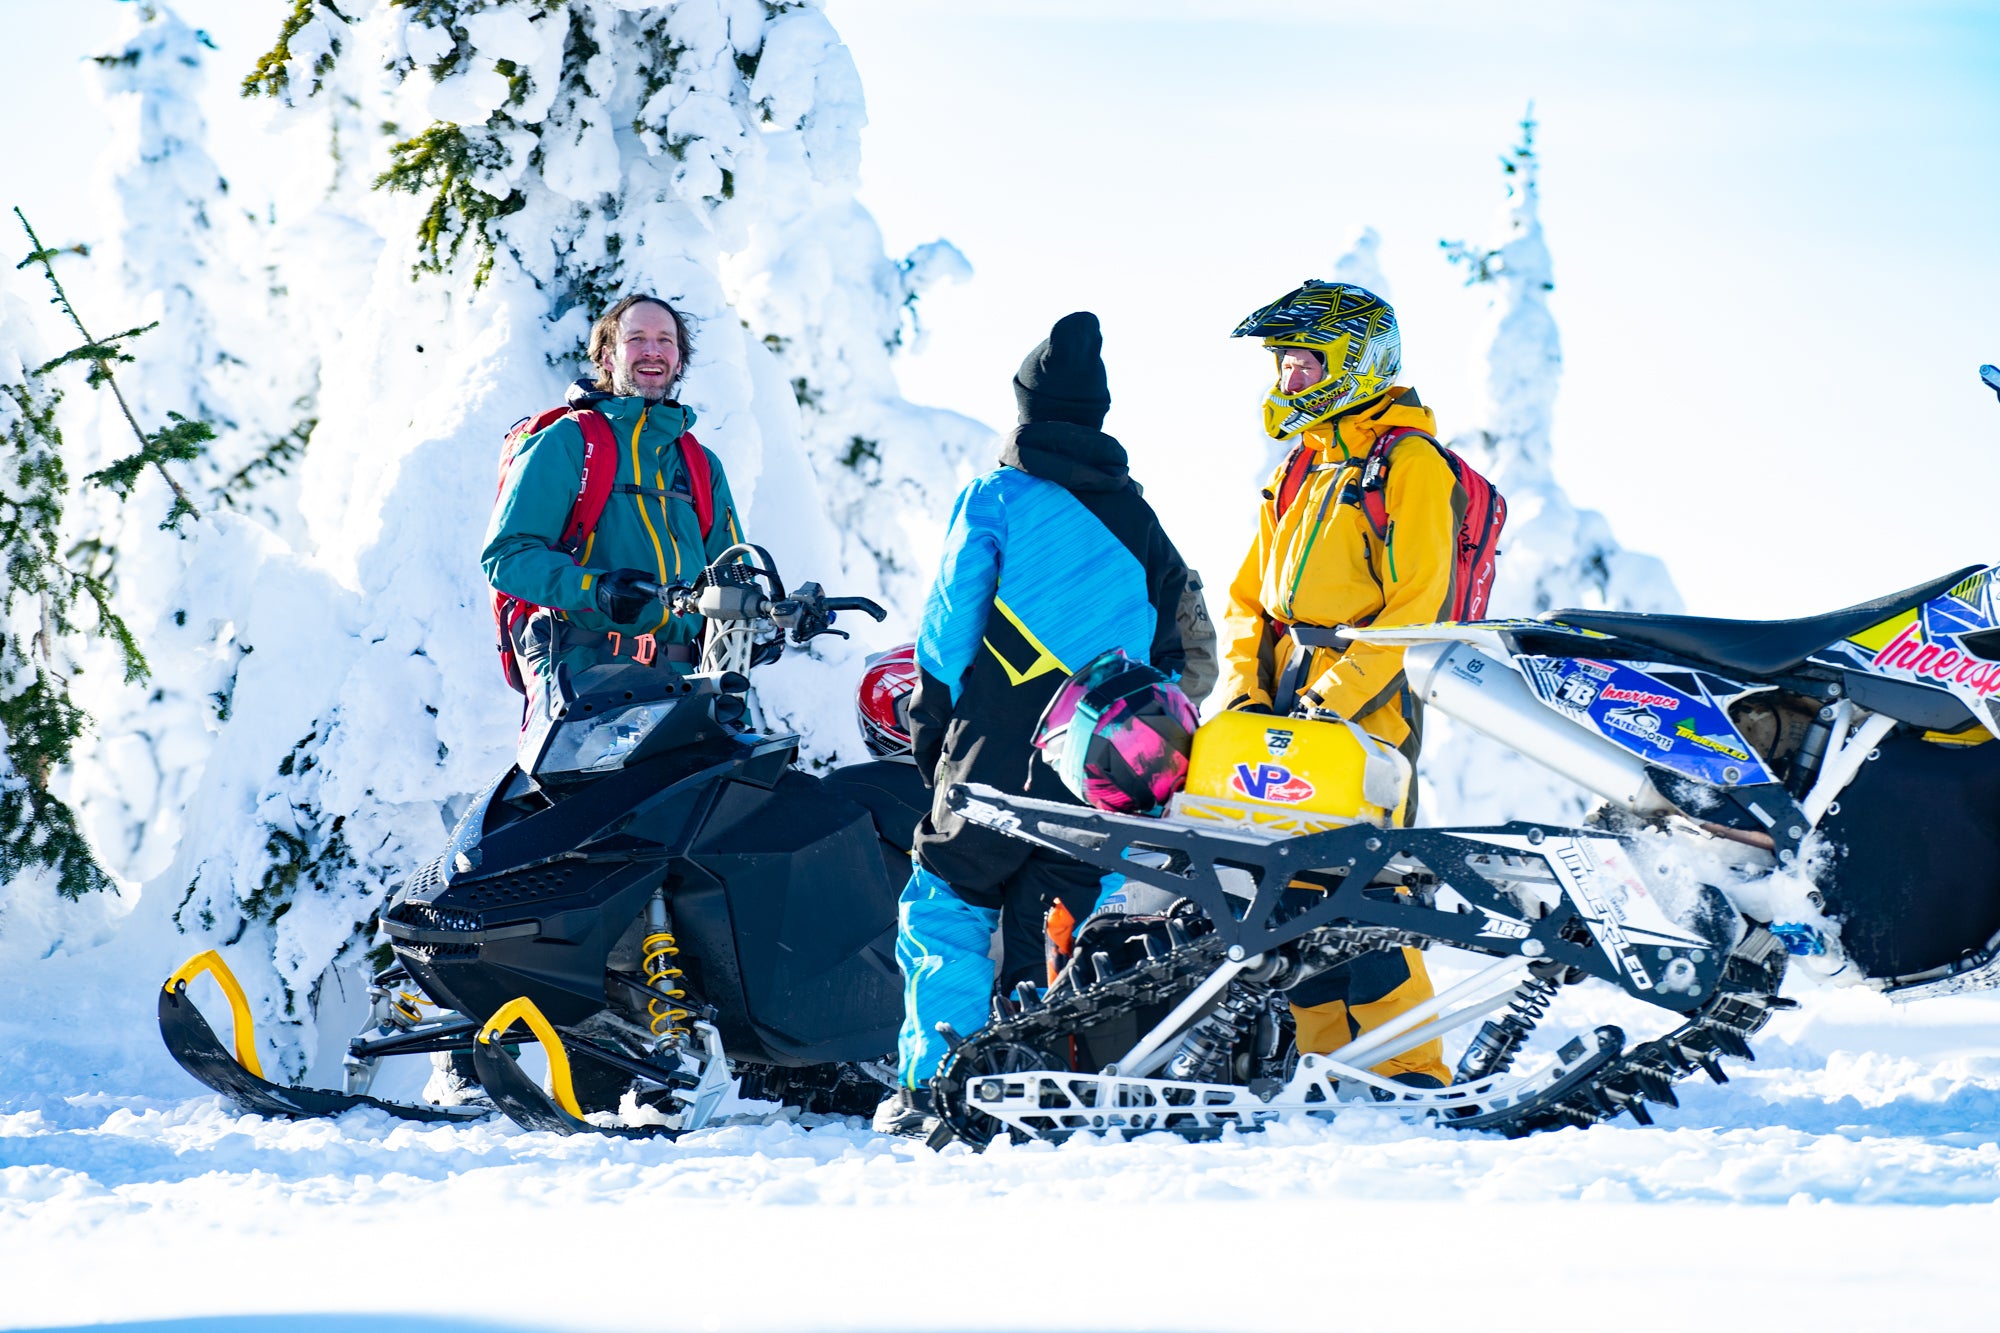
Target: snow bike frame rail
x=1594, y=1077
x=1342, y=863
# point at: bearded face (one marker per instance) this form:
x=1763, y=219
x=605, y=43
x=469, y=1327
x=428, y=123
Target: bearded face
x=645, y=359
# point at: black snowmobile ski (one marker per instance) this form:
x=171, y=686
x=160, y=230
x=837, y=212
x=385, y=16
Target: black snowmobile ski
x=530, y=1106
x=195, y=1047
x=527, y=1105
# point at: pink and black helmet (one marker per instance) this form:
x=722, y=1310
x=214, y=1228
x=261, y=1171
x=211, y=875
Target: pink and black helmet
x=1118, y=733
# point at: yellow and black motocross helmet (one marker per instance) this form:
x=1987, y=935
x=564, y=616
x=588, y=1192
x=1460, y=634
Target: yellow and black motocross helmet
x=1354, y=332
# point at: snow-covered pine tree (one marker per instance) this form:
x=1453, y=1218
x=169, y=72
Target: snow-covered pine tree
x=42, y=631
x=813, y=277
x=181, y=252
x=506, y=168
x=1553, y=554
x=1360, y=263
x=186, y=254
x=1557, y=555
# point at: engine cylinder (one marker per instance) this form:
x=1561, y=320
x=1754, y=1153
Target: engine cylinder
x=1489, y=696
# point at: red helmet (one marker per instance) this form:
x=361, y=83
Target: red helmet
x=882, y=702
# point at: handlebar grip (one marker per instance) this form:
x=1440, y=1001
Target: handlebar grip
x=861, y=604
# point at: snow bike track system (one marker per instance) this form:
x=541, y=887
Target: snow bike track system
x=1004, y=1075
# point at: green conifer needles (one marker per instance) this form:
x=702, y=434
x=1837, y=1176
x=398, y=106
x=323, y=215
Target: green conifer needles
x=445, y=160
x=180, y=441
x=39, y=629
x=271, y=77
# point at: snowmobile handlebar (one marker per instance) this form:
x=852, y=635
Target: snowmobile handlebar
x=806, y=613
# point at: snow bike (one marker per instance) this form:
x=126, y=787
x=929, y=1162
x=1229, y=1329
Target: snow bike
x=652, y=891
x=1850, y=754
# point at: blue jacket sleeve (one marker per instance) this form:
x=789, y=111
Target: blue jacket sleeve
x=955, y=615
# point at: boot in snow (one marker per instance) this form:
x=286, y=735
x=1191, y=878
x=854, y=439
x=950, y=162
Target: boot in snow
x=453, y=1081
x=908, y=1113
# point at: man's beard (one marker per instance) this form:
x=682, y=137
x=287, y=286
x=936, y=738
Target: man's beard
x=625, y=385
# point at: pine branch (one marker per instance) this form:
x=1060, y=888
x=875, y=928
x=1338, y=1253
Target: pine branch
x=100, y=354
x=271, y=77
x=110, y=622
x=176, y=443
x=443, y=160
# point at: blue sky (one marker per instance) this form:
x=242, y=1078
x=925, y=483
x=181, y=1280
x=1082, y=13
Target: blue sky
x=1776, y=232
x=1774, y=229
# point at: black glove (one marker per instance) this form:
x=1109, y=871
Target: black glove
x=1312, y=709
x=618, y=594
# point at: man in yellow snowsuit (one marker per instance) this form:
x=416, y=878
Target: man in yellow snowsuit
x=1318, y=562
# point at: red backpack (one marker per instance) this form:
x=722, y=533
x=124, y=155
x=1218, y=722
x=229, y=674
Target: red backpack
x=594, y=491
x=1478, y=532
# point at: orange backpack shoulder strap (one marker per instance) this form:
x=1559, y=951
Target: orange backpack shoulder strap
x=1296, y=468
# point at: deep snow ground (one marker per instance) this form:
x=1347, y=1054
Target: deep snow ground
x=1849, y=1179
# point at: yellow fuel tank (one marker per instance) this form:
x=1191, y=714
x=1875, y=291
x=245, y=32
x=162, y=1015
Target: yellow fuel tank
x=1288, y=774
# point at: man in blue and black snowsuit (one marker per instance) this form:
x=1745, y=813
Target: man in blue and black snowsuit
x=1051, y=559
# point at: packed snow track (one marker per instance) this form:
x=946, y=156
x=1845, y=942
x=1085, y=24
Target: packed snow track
x=1852, y=1175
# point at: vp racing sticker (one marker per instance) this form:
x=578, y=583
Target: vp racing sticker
x=1270, y=782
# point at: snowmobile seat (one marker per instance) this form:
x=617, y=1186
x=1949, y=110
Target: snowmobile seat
x=891, y=791
x=1755, y=647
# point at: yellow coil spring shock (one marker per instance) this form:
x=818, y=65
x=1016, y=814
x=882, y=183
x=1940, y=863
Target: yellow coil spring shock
x=658, y=951
x=406, y=1008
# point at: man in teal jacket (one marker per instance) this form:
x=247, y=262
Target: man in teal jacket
x=650, y=531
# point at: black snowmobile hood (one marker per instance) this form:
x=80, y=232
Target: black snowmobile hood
x=1076, y=458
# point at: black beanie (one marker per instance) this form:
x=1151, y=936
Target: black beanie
x=1063, y=378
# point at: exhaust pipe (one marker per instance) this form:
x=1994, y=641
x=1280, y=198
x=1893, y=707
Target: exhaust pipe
x=1489, y=696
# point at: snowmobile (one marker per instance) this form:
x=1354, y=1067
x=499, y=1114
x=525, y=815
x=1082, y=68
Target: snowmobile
x=653, y=890
x=1851, y=755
